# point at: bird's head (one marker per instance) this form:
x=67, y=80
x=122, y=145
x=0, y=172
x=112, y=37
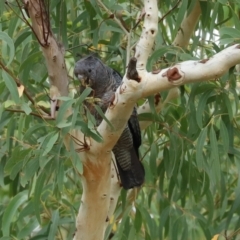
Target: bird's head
x=91, y=72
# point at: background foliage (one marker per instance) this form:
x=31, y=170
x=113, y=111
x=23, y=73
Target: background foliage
x=191, y=152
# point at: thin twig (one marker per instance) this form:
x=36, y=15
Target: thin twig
x=44, y=11
x=100, y=3
x=175, y=6
x=84, y=145
x=139, y=19
x=23, y=18
x=46, y=117
x=18, y=82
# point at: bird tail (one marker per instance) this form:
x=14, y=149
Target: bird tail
x=134, y=177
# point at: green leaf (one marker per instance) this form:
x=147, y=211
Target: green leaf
x=223, y=1
x=2, y=7
x=27, y=229
x=92, y=13
x=153, y=158
x=4, y=37
x=21, y=38
x=181, y=14
x=119, y=233
x=201, y=107
x=60, y=176
x=90, y=132
x=49, y=142
x=234, y=206
x=148, y=221
x=224, y=136
x=63, y=24
x=33, y=129
x=54, y=225
x=26, y=108
x=228, y=105
x=199, y=148
x=29, y=170
x=213, y=18
x=30, y=60
x=12, y=86
x=83, y=95
x=77, y=163
x=226, y=41
x=78, y=103
x=138, y=220
x=37, y=194
x=229, y=32
x=132, y=233
x=100, y=112
x=11, y=210
x=215, y=164
x=16, y=160
x=64, y=124
x=61, y=116
x=43, y=161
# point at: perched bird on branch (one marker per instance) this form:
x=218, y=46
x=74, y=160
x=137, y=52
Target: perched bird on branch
x=104, y=81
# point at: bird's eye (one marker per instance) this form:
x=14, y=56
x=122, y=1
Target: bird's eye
x=89, y=70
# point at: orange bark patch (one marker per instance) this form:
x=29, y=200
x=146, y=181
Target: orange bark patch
x=93, y=171
x=157, y=98
x=172, y=74
x=204, y=60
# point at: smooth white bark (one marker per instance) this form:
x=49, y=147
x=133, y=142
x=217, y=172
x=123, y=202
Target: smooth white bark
x=187, y=27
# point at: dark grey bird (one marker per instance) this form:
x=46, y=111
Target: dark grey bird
x=104, y=81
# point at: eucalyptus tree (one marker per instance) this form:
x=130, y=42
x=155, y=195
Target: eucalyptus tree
x=57, y=173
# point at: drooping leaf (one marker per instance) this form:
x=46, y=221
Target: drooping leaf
x=5, y=37
x=215, y=164
x=11, y=211
x=200, y=148
x=12, y=86
x=54, y=225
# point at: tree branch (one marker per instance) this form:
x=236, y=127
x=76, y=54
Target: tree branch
x=187, y=27
x=181, y=73
x=182, y=40
x=52, y=50
x=46, y=117
x=172, y=9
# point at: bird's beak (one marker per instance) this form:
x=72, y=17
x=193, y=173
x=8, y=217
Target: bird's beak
x=85, y=81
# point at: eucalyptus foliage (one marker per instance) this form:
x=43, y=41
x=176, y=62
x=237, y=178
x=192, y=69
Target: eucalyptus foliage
x=191, y=151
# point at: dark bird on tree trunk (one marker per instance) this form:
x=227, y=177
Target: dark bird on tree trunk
x=104, y=81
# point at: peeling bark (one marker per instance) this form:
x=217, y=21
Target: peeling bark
x=132, y=71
